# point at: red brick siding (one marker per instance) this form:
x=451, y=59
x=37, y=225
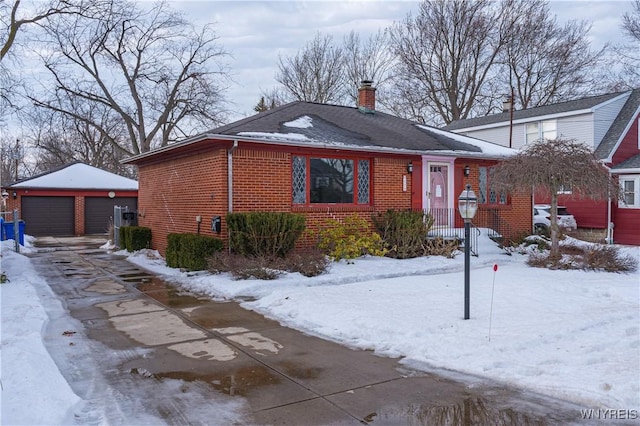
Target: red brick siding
x=79, y=218
x=261, y=180
x=517, y=213
x=174, y=192
x=388, y=184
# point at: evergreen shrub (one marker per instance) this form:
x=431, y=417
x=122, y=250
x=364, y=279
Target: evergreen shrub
x=264, y=234
x=191, y=251
x=134, y=238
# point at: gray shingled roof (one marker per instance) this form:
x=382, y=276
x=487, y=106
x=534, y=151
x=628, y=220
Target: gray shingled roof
x=615, y=132
x=629, y=163
x=562, y=107
x=346, y=125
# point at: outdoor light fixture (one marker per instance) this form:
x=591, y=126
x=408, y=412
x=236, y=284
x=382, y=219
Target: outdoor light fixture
x=467, y=206
x=410, y=167
x=15, y=195
x=467, y=171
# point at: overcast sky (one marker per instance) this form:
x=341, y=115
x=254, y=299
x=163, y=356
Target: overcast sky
x=256, y=32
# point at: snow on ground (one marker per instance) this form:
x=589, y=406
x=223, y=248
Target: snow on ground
x=29, y=376
x=574, y=335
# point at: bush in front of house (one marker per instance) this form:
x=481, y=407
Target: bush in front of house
x=308, y=262
x=596, y=257
x=349, y=238
x=404, y=232
x=446, y=247
x=134, y=238
x=264, y=234
x=191, y=251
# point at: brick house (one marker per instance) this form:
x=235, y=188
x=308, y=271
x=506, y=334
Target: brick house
x=608, y=124
x=325, y=161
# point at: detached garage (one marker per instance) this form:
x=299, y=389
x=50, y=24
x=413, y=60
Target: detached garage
x=77, y=199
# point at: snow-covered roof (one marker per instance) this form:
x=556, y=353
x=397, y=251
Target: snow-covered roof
x=79, y=176
x=486, y=147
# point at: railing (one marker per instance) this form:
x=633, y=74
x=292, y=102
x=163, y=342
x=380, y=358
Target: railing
x=448, y=224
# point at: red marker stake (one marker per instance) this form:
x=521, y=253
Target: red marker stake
x=493, y=286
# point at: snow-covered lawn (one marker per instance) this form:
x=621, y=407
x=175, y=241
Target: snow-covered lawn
x=569, y=334
x=574, y=335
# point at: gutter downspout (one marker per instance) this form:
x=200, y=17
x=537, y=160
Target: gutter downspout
x=230, y=185
x=609, y=239
x=230, y=176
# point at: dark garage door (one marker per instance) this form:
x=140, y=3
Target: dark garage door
x=98, y=212
x=48, y=216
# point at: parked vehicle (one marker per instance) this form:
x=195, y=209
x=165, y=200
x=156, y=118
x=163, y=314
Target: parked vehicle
x=542, y=219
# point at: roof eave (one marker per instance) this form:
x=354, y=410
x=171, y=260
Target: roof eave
x=309, y=144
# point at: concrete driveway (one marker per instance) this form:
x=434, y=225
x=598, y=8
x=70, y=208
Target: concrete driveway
x=158, y=353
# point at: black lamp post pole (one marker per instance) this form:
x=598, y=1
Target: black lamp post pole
x=467, y=252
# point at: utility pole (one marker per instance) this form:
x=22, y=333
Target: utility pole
x=16, y=157
x=507, y=105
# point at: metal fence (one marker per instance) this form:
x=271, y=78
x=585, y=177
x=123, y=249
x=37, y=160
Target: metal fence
x=448, y=225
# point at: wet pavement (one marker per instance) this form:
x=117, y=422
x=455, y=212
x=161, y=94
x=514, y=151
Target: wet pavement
x=149, y=338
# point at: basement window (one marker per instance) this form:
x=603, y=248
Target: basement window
x=330, y=180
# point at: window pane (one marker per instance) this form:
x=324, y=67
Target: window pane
x=533, y=134
x=363, y=181
x=503, y=198
x=331, y=180
x=483, y=185
x=299, y=180
x=629, y=192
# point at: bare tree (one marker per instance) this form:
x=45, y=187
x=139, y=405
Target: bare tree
x=161, y=77
x=60, y=139
x=315, y=73
x=631, y=22
x=369, y=59
x=547, y=63
x=13, y=20
x=627, y=55
x=551, y=165
x=447, y=52
x=13, y=153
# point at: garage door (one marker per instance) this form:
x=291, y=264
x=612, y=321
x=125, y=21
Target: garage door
x=48, y=216
x=98, y=212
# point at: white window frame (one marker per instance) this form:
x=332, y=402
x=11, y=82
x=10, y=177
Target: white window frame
x=636, y=191
x=546, y=129
x=565, y=190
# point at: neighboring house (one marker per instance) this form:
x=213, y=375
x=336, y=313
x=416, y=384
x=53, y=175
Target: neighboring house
x=325, y=161
x=608, y=124
x=76, y=199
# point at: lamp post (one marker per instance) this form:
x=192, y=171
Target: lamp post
x=467, y=206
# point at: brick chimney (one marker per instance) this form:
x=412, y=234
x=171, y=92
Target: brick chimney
x=367, y=97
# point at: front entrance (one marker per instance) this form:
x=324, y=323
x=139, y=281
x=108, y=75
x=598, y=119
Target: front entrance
x=437, y=193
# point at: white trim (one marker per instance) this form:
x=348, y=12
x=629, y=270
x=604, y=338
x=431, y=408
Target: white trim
x=636, y=191
x=625, y=171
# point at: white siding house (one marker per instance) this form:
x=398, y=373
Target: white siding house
x=586, y=120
